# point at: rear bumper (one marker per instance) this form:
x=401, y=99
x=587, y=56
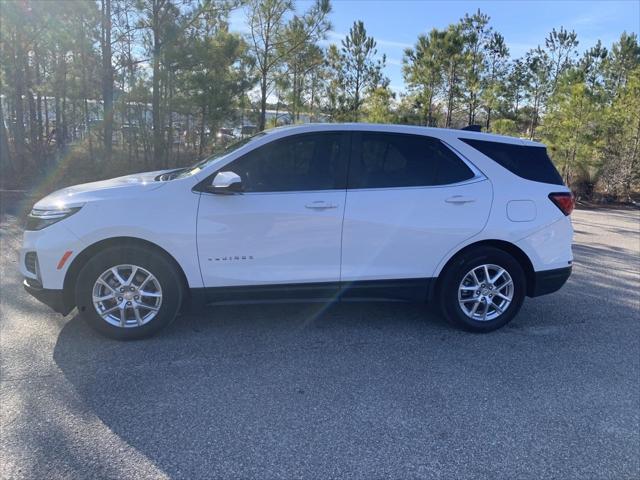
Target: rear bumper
x=52, y=298
x=549, y=281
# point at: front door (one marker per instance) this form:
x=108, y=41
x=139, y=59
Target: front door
x=285, y=228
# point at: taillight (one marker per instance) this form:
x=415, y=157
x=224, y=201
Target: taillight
x=564, y=201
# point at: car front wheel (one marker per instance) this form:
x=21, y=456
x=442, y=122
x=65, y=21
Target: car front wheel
x=128, y=293
x=482, y=290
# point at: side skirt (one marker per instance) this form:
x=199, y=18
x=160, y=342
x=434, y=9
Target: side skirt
x=411, y=289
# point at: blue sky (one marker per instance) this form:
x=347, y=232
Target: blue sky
x=395, y=24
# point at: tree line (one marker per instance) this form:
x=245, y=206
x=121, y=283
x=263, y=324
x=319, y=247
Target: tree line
x=102, y=86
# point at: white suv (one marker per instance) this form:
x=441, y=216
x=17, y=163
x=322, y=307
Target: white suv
x=470, y=221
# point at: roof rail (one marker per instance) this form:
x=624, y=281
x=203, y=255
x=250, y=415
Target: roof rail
x=472, y=128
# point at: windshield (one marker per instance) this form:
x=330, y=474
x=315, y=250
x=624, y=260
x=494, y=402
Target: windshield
x=197, y=167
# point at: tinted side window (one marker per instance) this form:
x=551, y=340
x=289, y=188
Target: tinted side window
x=297, y=163
x=531, y=163
x=399, y=160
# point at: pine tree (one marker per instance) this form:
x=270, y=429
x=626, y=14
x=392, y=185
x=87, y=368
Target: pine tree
x=497, y=55
x=476, y=35
x=356, y=69
x=422, y=71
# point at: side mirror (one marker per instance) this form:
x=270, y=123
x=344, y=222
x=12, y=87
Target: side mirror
x=226, y=183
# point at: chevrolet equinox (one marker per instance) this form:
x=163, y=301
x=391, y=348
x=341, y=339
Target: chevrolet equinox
x=469, y=221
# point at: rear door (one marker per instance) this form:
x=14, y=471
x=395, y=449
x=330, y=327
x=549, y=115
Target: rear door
x=286, y=226
x=410, y=200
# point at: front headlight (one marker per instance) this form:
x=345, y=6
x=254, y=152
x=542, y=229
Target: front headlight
x=41, y=218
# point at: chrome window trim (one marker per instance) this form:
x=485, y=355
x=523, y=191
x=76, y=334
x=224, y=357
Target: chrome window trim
x=480, y=178
x=478, y=175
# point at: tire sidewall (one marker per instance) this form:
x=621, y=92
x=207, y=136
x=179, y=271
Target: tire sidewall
x=150, y=261
x=456, y=272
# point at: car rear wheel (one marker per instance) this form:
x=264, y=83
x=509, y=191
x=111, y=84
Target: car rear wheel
x=482, y=290
x=128, y=293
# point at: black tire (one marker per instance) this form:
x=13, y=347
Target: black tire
x=454, y=275
x=153, y=262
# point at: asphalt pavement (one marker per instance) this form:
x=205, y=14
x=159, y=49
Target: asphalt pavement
x=347, y=390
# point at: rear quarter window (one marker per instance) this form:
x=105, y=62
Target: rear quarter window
x=525, y=161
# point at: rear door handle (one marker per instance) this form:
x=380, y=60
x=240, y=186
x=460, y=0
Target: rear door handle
x=320, y=205
x=459, y=199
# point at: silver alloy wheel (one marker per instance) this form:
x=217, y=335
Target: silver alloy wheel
x=485, y=292
x=127, y=296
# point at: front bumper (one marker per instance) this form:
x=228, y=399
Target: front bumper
x=50, y=244
x=549, y=281
x=50, y=297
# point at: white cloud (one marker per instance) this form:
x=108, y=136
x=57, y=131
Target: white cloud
x=518, y=49
x=394, y=61
x=331, y=35
x=393, y=44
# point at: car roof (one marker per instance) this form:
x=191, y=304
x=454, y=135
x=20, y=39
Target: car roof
x=395, y=128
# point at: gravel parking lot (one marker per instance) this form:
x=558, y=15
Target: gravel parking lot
x=363, y=390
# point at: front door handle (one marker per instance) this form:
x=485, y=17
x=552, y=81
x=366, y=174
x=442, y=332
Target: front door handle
x=460, y=199
x=320, y=205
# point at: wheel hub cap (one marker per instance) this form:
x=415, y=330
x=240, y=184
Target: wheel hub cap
x=127, y=296
x=485, y=292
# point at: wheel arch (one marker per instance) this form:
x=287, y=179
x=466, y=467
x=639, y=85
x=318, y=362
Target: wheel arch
x=81, y=259
x=516, y=252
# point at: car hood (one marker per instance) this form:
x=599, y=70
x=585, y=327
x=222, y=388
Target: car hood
x=104, y=189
